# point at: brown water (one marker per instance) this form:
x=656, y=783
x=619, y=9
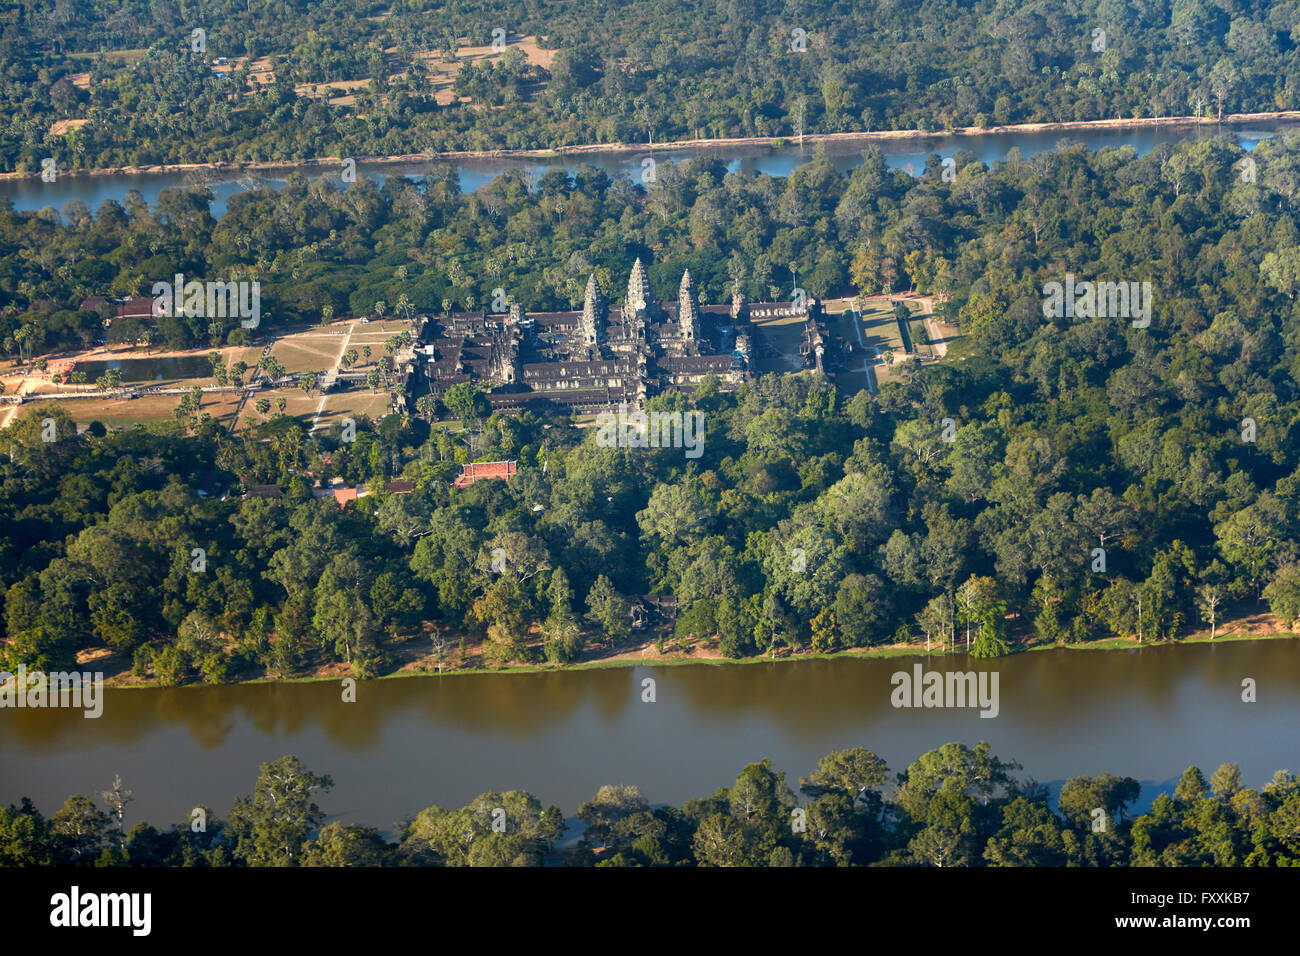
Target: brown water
x=410, y=743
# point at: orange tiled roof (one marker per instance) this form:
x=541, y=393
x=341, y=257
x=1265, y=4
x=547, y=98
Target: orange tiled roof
x=483, y=469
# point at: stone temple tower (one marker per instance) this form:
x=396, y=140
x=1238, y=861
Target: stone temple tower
x=638, y=291
x=688, y=311
x=593, y=317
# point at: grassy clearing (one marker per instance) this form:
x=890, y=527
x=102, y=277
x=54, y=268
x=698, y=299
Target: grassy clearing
x=336, y=407
x=299, y=353
x=879, y=328
x=117, y=411
x=355, y=403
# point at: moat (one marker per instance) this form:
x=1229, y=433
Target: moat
x=408, y=743
x=906, y=154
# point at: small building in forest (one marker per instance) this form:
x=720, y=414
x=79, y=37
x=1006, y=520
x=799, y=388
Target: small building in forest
x=476, y=470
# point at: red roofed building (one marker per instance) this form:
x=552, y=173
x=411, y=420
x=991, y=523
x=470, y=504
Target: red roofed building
x=345, y=496
x=137, y=308
x=483, y=469
x=339, y=491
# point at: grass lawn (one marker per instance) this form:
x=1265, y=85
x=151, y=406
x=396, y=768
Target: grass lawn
x=248, y=354
x=117, y=411
x=337, y=406
x=879, y=328
x=296, y=405
x=379, y=329
x=301, y=353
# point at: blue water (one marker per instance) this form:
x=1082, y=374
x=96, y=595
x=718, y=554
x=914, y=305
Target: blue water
x=910, y=155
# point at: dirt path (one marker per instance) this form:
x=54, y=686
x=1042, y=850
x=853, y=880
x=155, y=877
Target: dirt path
x=338, y=360
x=27, y=384
x=252, y=378
x=937, y=341
x=866, y=366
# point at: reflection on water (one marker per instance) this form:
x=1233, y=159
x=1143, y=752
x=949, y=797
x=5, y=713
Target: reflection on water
x=150, y=369
x=411, y=742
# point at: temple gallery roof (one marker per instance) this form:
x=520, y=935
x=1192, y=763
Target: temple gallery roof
x=598, y=356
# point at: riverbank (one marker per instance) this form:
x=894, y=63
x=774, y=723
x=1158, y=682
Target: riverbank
x=647, y=656
x=566, y=152
x=408, y=744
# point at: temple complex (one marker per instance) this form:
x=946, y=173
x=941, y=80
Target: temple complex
x=598, y=358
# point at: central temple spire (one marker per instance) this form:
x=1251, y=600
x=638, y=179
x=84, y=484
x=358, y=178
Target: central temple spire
x=638, y=288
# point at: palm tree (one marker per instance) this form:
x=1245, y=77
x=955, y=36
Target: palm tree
x=23, y=336
x=270, y=367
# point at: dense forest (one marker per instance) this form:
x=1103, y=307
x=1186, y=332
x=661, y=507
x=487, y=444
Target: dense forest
x=953, y=806
x=632, y=72
x=1170, y=447
x=981, y=240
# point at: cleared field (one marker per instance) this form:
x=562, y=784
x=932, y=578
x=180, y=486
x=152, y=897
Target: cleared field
x=121, y=411
x=309, y=352
x=441, y=73
x=342, y=404
x=879, y=328
x=118, y=411
x=334, y=409
x=378, y=329
x=297, y=405
x=29, y=386
x=59, y=127
x=246, y=354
